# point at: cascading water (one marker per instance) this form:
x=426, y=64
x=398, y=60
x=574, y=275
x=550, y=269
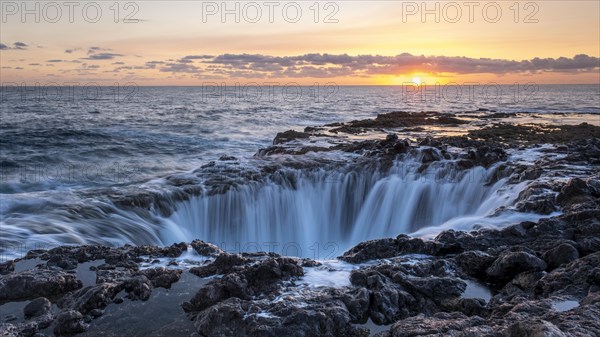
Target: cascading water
x=319, y=214
x=316, y=213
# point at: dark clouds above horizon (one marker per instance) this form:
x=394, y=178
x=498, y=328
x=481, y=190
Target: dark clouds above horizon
x=314, y=65
x=334, y=65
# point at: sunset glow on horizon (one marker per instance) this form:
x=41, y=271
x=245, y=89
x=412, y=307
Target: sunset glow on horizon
x=346, y=42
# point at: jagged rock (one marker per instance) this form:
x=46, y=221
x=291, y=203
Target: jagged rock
x=89, y=298
x=573, y=192
x=253, y=280
x=440, y=324
x=535, y=328
x=34, y=283
x=569, y=279
x=64, y=262
x=138, y=287
x=161, y=276
x=238, y=318
x=206, y=249
x=223, y=264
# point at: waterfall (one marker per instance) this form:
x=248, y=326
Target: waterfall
x=320, y=214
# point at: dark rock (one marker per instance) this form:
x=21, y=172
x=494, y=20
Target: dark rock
x=570, y=279
x=575, y=191
x=235, y=317
x=38, y=307
x=90, y=298
x=96, y=313
x=475, y=263
x=508, y=265
x=253, y=280
x=161, y=277
x=224, y=263
x=206, y=249
x=7, y=267
x=9, y=330
x=535, y=328
x=176, y=249
x=370, y=250
x=440, y=324
x=227, y=158
x=429, y=155
x=63, y=262
x=287, y=136
x=562, y=254
x=34, y=283
x=138, y=287
x=69, y=323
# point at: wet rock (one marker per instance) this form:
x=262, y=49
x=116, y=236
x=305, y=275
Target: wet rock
x=224, y=263
x=253, y=280
x=34, y=283
x=573, y=192
x=66, y=263
x=571, y=279
x=475, y=263
x=236, y=317
x=288, y=136
x=429, y=155
x=176, y=249
x=7, y=267
x=206, y=249
x=440, y=324
x=38, y=307
x=508, y=265
x=90, y=298
x=562, y=254
x=370, y=250
x=138, y=287
x=69, y=323
x=161, y=277
x=535, y=328
x=9, y=330
x=96, y=313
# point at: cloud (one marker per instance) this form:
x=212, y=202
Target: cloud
x=198, y=57
x=16, y=46
x=328, y=65
x=54, y=61
x=102, y=56
x=180, y=68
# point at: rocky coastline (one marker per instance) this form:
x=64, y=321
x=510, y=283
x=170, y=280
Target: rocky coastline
x=527, y=279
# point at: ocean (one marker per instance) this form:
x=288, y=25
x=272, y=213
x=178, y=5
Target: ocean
x=65, y=150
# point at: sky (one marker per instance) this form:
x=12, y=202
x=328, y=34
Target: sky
x=305, y=42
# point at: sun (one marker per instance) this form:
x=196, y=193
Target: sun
x=416, y=80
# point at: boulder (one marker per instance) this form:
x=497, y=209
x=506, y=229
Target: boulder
x=509, y=264
x=562, y=254
x=34, y=283
x=38, y=307
x=69, y=323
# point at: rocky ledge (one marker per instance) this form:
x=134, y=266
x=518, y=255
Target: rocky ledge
x=528, y=279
